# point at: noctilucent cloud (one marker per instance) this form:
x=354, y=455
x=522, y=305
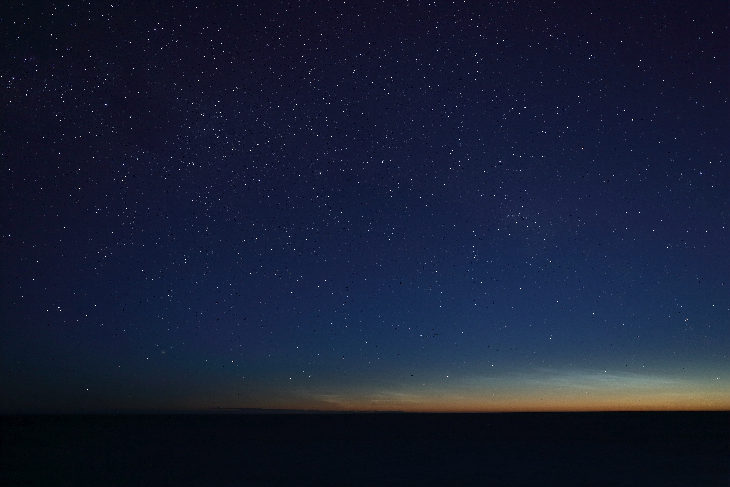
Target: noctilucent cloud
x=417, y=206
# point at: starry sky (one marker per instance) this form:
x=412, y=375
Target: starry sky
x=417, y=206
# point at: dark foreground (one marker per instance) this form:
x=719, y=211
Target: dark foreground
x=666, y=449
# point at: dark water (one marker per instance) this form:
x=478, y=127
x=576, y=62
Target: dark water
x=592, y=449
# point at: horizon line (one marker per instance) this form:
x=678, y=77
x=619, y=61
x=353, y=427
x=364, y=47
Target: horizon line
x=284, y=411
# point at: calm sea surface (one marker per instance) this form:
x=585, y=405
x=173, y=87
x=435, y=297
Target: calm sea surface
x=592, y=449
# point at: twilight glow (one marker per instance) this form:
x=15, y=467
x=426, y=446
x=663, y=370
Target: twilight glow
x=417, y=207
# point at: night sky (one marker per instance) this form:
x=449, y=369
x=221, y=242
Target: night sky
x=442, y=206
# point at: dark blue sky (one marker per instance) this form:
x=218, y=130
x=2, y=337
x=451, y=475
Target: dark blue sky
x=419, y=206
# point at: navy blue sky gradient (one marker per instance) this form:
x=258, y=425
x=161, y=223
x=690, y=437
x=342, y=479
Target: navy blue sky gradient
x=365, y=206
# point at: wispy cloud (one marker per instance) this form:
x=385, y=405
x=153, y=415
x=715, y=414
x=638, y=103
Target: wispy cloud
x=598, y=380
x=533, y=389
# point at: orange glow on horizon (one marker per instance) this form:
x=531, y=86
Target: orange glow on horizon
x=546, y=390
x=658, y=402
